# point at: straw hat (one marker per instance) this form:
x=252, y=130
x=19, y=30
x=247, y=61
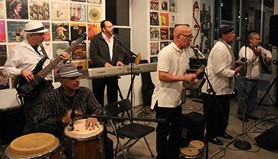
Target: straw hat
x=68, y=70
x=34, y=27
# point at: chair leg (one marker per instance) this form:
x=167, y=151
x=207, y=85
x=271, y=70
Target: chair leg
x=148, y=146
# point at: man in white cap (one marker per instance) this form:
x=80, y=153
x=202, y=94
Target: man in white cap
x=221, y=71
x=22, y=64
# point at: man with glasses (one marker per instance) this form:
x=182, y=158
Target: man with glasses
x=221, y=71
x=166, y=99
x=23, y=61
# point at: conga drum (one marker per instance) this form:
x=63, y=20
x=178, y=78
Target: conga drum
x=34, y=146
x=189, y=153
x=84, y=144
x=199, y=145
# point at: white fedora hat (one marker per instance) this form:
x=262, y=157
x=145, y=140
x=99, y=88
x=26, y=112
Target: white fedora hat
x=34, y=27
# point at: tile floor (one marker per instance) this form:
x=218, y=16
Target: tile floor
x=269, y=115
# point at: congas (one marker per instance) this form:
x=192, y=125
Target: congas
x=199, y=145
x=84, y=144
x=189, y=153
x=34, y=146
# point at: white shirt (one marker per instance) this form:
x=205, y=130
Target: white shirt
x=253, y=63
x=219, y=70
x=174, y=61
x=23, y=56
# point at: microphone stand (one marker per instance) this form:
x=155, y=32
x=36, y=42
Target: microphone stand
x=210, y=92
x=241, y=144
x=132, y=75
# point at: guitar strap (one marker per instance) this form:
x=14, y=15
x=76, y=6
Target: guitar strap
x=43, y=50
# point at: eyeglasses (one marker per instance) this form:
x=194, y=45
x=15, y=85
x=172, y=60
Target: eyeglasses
x=187, y=36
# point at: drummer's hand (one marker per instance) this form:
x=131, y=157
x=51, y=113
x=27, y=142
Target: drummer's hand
x=66, y=118
x=91, y=123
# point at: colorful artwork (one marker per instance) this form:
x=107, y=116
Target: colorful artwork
x=154, y=4
x=154, y=19
x=60, y=11
x=39, y=10
x=60, y=31
x=173, y=6
x=17, y=9
x=93, y=29
x=164, y=33
x=78, y=12
x=2, y=9
x=164, y=5
x=2, y=31
x=15, y=31
x=3, y=54
x=154, y=33
x=77, y=30
x=164, y=19
x=154, y=48
x=94, y=13
x=94, y=1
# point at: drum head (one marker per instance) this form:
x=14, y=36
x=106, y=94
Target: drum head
x=197, y=144
x=32, y=145
x=189, y=151
x=80, y=133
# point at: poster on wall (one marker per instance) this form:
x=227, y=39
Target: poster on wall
x=154, y=4
x=2, y=31
x=2, y=9
x=154, y=19
x=59, y=11
x=172, y=20
x=60, y=31
x=164, y=33
x=79, y=52
x=94, y=13
x=164, y=5
x=93, y=29
x=78, y=12
x=154, y=48
x=77, y=30
x=59, y=48
x=154, y=33
x=17, y=9
x=173, y=6
x=15, y=31
x=47, y=35
x=164, y=19
x=4, y=80
x=3, y=54
x=39, y=10
x=95, y=1
x=163, y=44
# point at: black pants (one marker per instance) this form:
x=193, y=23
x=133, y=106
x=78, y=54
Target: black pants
x=112, y=89
x=216, y=115
x=168, y=135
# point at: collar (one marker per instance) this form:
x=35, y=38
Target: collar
x=105, y=37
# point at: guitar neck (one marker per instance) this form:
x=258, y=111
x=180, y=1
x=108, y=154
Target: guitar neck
x=49, y=67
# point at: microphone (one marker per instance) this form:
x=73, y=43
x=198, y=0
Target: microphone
x=197, y=52
x=242, y=40
x=71, y=126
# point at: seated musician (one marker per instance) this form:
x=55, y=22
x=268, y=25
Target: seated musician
x=55, y=114
x=23, y=61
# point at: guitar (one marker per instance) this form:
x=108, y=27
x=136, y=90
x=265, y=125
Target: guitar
x=31, y=89
x=266, y=66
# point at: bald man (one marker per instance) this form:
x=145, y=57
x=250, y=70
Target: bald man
x=166, y=99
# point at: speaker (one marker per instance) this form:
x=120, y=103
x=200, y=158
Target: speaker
x=193, y=127
x=269, y=139
x=273, y=32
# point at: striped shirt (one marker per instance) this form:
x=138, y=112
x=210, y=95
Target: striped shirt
x=56, y=104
